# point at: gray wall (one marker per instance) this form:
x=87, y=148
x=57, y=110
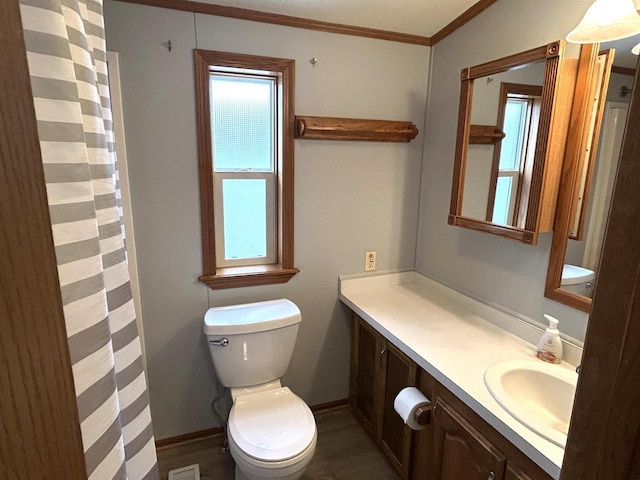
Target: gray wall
x=350, y=197
x=491, y=268
x=617, y=81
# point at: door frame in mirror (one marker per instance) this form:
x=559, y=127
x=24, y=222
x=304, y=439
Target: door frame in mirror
x=577, y=140
x=549, y=144
x=600, y=85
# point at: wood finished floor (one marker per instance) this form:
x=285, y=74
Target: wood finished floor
x=344, y=452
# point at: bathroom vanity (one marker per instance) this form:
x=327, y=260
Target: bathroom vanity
x=411, y=331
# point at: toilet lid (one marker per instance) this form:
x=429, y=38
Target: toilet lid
x=573, y=275
x=272, y=425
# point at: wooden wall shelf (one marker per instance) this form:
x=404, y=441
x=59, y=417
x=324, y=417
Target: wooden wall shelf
x=330, y=128
x=485, y=134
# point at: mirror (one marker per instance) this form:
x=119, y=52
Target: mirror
x=587, y=156
x=592, y=160
x=510, y=143
x=494, y=186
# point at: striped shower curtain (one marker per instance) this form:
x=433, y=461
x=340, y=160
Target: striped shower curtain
x=67, y=63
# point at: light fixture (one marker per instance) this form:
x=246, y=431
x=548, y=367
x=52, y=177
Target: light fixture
x=636, y=50
x=607, y=20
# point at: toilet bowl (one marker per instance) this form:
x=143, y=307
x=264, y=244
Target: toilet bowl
x=578, y=280
x=271, y=431
x=248, y=468
x=272, y=434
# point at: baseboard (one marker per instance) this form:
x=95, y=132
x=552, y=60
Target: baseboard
x=335, y=405
x=188, y=438
x=212, y=432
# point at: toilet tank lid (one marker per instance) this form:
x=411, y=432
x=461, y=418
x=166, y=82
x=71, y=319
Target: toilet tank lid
x=572, y=275
x=251, y=317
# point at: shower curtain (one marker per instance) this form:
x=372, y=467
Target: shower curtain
x=66, y=53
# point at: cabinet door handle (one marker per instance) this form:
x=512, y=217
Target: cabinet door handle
x=492, y=476
x=382, y=352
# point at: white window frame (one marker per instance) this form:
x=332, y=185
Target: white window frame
x=532, y=95
x=525, y=132
x=218, y=205
x=269, y=176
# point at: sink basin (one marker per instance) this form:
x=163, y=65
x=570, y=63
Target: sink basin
x=539, y=395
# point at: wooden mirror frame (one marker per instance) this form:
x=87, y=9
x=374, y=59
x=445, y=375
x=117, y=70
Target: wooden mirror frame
x=580, y=139
x=598, y=91
x=557, y=89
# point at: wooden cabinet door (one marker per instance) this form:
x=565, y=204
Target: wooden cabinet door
x=514, y=473
x=399, y=372
x=460, y=451
x=379, y=371
x=367, y=357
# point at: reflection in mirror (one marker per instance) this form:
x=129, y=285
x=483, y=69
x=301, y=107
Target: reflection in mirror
x=497, y=176
x=587, y=157
x=573, y=267
x=512, y=127
x=519, y=117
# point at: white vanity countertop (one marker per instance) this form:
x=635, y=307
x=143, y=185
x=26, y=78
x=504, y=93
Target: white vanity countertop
x=455, y=339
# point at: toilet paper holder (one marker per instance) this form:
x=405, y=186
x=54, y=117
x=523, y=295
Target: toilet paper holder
x=423, y=414
x=414, y=408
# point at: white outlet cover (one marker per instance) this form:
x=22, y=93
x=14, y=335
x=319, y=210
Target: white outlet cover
x=369, y=261
x=191, y=472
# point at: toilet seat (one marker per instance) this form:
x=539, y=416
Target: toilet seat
x=272, y=426
x=272, y=469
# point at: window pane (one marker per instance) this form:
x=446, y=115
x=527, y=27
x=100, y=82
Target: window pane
x=242, y=113
x=502, y=200
x=514, y=125
x=245, y=218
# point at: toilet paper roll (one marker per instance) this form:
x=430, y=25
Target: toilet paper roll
x=410, y=404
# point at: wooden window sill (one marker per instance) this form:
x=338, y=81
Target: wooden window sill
x=234, y=277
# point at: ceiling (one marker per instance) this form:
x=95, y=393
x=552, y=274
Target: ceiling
x=415, y=17
x=623, y=56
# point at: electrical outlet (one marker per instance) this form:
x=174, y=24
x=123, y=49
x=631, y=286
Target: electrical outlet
x=369, y=261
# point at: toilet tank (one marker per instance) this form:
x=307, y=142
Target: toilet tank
x=252, y=343
x=578, y=280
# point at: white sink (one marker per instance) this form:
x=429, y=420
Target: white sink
x=539, y=395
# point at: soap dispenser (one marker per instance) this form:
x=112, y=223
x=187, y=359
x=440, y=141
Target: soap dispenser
x=550, y=345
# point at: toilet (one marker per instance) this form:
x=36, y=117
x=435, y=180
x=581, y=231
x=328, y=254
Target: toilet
x=271, y=431
x=578, y=280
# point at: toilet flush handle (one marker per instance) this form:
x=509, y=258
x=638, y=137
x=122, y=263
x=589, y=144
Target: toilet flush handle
x=223, y=342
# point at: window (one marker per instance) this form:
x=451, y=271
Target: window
x=245, y=136
x=517, y=116
x=519, y=112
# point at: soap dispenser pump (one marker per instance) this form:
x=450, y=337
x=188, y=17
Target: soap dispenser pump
x=550, y=345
